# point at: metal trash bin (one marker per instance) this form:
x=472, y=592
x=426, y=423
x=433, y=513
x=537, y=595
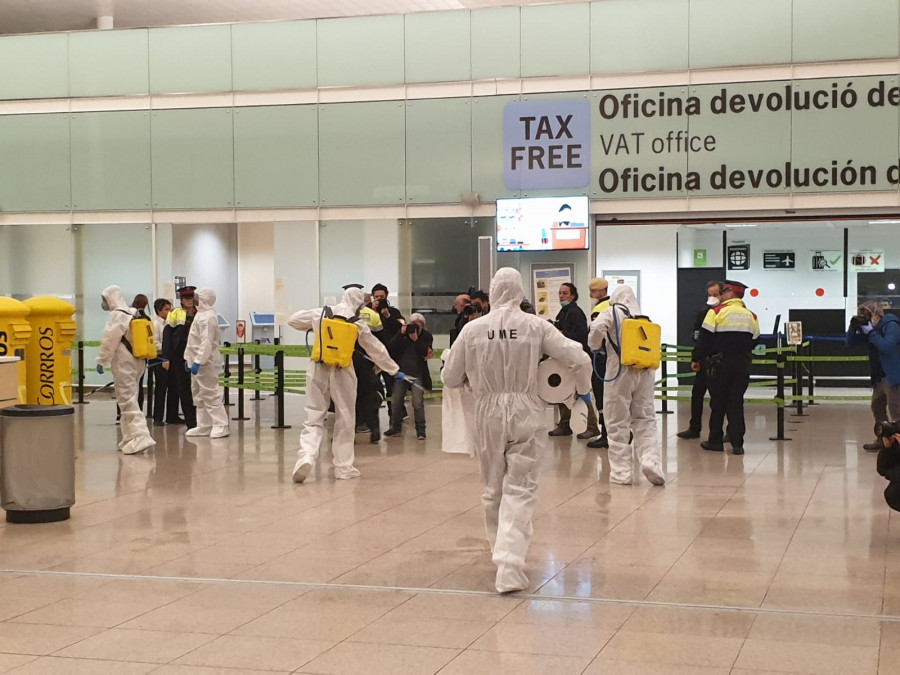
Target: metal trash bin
x=37, y=462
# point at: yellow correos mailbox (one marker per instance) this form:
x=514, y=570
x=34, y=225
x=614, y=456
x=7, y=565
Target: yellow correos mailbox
x=15, y=332
x=49, y=362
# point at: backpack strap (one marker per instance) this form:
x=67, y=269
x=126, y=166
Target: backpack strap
x=124, y=337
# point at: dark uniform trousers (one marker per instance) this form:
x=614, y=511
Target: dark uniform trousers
x=728, y=380
x=698, y=391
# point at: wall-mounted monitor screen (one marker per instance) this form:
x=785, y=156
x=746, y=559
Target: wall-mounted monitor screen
x=543, y=223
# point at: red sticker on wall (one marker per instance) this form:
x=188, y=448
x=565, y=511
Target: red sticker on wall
x=820, y=292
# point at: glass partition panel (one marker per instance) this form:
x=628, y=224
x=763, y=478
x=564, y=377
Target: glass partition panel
x=444, y=253
x=37, y=260
x=107, y=254
x=109, y=63
x=34, y=66
x=873, y=271
x=363, y=252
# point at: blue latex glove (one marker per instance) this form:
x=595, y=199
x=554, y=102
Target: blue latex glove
x=195, y=369
x=99, y=369
x=586, y=398
x=760, y=349
x=400, y=376
x=868, y=328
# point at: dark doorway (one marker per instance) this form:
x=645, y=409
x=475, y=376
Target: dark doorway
x=691, y=300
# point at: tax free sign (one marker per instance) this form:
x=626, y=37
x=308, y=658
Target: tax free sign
x=547, y=144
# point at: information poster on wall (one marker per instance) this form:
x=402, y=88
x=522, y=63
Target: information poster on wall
x=545, y=283
x=827, y=261
x=867, y=261
x=624, y=278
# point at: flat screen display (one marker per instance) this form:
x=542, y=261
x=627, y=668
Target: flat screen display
x=543, y=224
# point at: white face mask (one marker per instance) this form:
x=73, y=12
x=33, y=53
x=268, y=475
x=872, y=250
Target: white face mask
x=712, y=301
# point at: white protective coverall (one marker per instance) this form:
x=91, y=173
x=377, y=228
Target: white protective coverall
x=127, y=372
x=326, y=383
x=203, y=349
x=498, y=355
x=628, y=399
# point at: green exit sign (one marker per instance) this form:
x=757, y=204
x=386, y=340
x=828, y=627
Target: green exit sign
x=699, y=257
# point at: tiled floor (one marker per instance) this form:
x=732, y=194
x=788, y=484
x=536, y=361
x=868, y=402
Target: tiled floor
x=204, y=558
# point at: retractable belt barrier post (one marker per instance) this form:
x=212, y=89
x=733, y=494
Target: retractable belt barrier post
x=665, y=381
x=81, y=400
x=780, y=361
x=240, y=388
x=279, y=391
x=812, y=378
x=226, y=393
x=257, y=370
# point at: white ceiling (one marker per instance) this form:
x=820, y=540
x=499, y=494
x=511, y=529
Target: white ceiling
x=37, y=16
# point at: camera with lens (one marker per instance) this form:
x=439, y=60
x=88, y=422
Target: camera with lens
x=412, y=328
x=887, y=429
x=858, y=321
x=471, y=310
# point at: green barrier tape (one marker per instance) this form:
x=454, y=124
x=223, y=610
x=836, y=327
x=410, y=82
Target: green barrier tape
x=816, y=397
x=827, y=358
x=766, y=401
x=90, y=343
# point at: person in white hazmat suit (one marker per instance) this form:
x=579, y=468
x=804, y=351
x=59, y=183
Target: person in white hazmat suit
x=627, y=398
x=325, y=383
x=498, y=355
x=202, y=356
x=127, y=370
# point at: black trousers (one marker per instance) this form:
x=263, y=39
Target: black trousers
x=165, y=398
x=368, y=396
x=728, y=382
x=698, y=391
x=181, y=383
x=599, y=366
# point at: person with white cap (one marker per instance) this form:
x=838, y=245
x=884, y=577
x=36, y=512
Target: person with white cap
x=202, y=358
x=497, y=355
x=116, y=352
x=727, y=337
x=411, y=349
x=627, y=396
x=326, y=382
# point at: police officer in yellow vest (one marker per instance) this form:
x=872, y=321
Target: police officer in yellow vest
x=599, y=288
x=727, y=336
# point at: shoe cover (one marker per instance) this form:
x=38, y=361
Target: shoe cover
x=301, y=470
x=620, y=479
x=578, y=422
x=510, y=579
x=219, y=432
x=138, y=445
x=199, y=431
x=654, y=473
x=122, y=444
x=346, y=474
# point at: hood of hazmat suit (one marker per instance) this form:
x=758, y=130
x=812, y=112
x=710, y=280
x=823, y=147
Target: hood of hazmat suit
x=604, y=326
x=117, y=327
x=498, y=355
x=204, y=339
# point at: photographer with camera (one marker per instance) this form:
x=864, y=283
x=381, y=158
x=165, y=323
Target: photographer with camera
x=881, y=332
x=391, y=320
x=411, y=349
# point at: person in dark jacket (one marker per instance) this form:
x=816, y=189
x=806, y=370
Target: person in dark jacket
x=175, y=335
x=411, y=349
x=573, y=324
x=391, y=320
x=459, y=308
x=881, y=332
x=701, y=384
